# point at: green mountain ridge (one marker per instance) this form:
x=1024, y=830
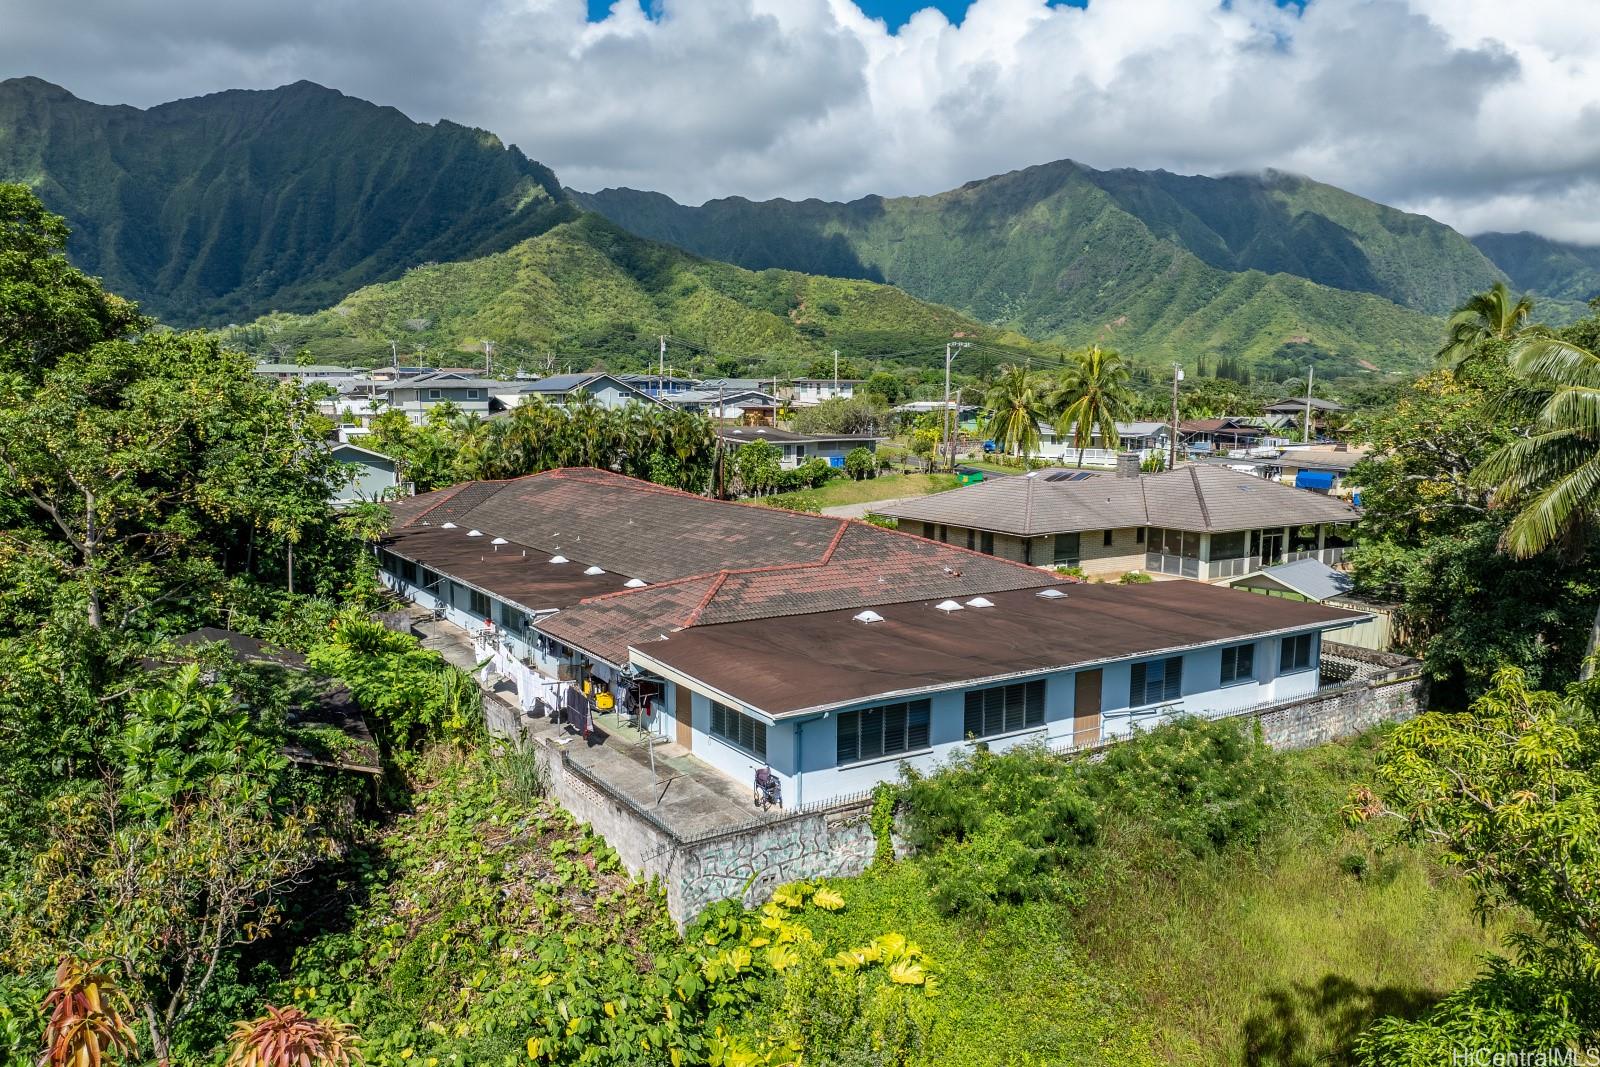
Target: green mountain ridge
x=1557, y=270
x=588, y=286
x=1268, y=268
x=226, y=206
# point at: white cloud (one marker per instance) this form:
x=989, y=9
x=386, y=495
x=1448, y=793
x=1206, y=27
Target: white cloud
x=1445, y=106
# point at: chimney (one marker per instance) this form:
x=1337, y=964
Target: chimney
x=1127, y=464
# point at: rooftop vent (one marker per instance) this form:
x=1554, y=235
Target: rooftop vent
x=948, y=606
x=474, y=533
x=499, y=541
x=1050, y=594
x=635, y=583
x=594, y=570
x=980, y=602
x=448, y=526
x=868, y=616
x=559, y=559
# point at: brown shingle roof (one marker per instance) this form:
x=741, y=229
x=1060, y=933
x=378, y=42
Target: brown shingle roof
x=1200, y=497
x=707, y=561
x=917, y=647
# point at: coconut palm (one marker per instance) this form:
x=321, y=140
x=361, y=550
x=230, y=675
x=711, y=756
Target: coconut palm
x=1014, y=410
x=1491, y=315
x=1093, y=392
x=1552, y=476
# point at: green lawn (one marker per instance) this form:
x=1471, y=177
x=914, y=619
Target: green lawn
x=1268, y=957
x=848, y=491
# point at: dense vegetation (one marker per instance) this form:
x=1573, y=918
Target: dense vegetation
x=225, y=207
x=1273, y=271
x=588, y=293
x=1553, y=270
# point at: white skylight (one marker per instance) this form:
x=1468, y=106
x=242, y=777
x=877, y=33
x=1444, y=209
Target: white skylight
x=593, y=570
x=448, y=526
x=499, y=541
x=980, y=602
x=559, y=559
x=474, y=533
x=948, y=606
x=1050, y=594
x=868, y=616
x=635, y=583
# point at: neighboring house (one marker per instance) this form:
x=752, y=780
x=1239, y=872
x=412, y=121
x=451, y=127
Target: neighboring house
x=762, y=385
x=750, y=406
x=1141, y=438
x=370, y=475
x=1318, y=583
x=1232, y=433
x=416, y=396
x=309, y=372
x=1199, y=521
x=798, y=448
x=808, y=392
x=828, y=650
x=607, y=390
x=1320, y=468
x=661, y=386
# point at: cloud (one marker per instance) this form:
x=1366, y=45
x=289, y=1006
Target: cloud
x=1445, y=106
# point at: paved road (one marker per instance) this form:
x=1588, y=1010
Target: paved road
x=859, y=511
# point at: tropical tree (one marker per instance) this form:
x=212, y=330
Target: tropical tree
x=1093, y=392
x=1492, y=315
x=1552, y=475
x=1014, y=411
x=288, y=1037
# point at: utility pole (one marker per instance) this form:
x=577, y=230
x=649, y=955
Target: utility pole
x=950, y=350
x=661, y=363
x=1172, y=445
x=835, y=372
x=488, y=359
x=1311, y=376
x=394, y=358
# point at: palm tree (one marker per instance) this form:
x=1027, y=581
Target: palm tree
x=1014, y=411
x=1488, y=316
x=1552, y=476
x=1093, y=392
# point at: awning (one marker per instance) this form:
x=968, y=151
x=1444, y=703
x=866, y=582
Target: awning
x=1322, y=480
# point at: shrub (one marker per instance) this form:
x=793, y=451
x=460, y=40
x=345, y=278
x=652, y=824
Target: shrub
x=999, y=828
x=1135, y=578
x=1204, y=783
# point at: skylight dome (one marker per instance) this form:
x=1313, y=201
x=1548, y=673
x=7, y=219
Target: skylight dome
x=635, y=583
x=559, y=559
x=499, y=541
x=448, y=526
x=1050, y=594
x=980, y=602
x=474, y=533
x=868, y=616
x=593, y=570
x=948, y=606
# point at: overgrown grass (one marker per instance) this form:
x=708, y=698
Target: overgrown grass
x=1272, y=954
x=849, y=491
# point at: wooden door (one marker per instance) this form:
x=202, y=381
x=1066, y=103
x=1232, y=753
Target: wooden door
x=684, y=713
x=1086, y=709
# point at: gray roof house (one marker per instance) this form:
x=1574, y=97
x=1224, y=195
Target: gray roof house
x=1315, y=582
x=419, y=395
x=1199, y=521
x=608, y=390
x=369, y=475
x=798, y=448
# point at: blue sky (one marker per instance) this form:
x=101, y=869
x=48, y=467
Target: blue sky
x=893, y=12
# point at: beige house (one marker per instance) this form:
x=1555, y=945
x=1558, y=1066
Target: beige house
x=1200, y=521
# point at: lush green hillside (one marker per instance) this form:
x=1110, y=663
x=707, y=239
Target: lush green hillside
x=588, y=290
x=1159, y=264
x=227, y=206
x=1553, y=269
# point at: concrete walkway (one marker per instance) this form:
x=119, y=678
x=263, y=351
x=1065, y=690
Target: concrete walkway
x=688, y=796
x=859, y=511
